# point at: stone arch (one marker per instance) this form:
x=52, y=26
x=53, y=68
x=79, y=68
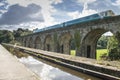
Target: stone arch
x=89, y=42
x=30, y=42
x=48, y=44
x=64, y=43
x=37, y=43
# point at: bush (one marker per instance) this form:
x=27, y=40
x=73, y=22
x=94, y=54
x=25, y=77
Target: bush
x=114, y=54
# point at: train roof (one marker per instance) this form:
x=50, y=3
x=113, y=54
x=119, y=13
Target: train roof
x=79, y=20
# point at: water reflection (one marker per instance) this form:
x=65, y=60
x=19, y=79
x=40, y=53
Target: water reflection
x=47, y=72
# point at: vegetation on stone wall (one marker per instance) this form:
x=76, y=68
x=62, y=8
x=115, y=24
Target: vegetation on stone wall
x=77, y=39
x=72, y=44
x=55, y=40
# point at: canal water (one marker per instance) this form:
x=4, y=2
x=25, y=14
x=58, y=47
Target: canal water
x=49, y=71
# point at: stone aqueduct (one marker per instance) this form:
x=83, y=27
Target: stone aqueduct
x=85, y=36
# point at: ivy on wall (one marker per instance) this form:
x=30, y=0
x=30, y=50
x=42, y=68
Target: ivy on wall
x=77, y=39
x=55, y=38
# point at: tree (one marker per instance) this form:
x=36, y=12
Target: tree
x=113, y=47
x=6, y=36
x=21, y=32
x=102, y=42
x=112, y=43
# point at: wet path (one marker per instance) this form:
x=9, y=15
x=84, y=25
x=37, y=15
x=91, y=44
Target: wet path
x=12, y=69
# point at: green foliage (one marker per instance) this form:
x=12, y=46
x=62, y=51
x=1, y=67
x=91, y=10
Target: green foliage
x=101, y=53
x=77, y=39
x=72, y=44
x=114, y=54
x=21, y=32
x=55, y=38
x=113, y=47
x=73, y=52
x=118, y=36
x=56, y=43
x=102, y=42
x=6, y=36
x=112, y=43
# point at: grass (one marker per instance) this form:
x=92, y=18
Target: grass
x=73, y=52
x=100, y=52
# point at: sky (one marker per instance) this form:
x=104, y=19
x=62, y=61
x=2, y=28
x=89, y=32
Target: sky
x=31, y=14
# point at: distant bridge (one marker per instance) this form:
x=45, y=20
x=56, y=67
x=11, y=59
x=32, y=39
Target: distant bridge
x=83, y=35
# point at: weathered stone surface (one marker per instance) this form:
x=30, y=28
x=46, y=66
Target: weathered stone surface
x=90, y=32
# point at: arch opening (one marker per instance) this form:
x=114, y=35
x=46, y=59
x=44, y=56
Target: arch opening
x=64, y=43
x=48, y=44
x=89, y=43
x=37, y=43
x=72, y=47
x=102, y=50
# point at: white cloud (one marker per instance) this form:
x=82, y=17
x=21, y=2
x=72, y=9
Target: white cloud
x=46, y=8
x=117, y=3
x=2, y=11
x=1, y=4
x=108, y=34
x=85, y=1
x=77, y=14
x=57, y=1
x=74, y=15
x=85, y=12
x=45, y=73
x=14, y=16
x=24, y=2
x=51, y=12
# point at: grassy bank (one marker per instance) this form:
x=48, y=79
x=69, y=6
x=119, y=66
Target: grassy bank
x=100, y=52
x=73, y=52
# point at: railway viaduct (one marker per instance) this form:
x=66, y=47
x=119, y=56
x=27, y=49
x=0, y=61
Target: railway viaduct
x=83, y=36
